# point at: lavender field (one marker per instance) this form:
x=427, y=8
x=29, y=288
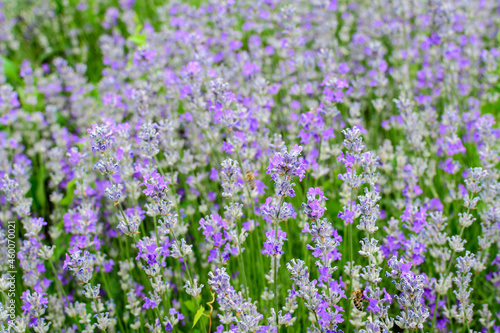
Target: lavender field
x=249, y=166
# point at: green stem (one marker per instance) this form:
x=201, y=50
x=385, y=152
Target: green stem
x=6, y=298
x=183, y=259
x=317, y=321
x=198, y=302
x=7, y=302
x=434, y=317
x=451, y=319
x=250, y=212
x=209, y=141
x=276, y=261
x=466, y=321
x=276, y=301
x=319, y=160
x=61, y=289
x=350, y=231
x=242, y=269
x=157, y=311
x=350, y=249
x=156, y=232
x=110, y=295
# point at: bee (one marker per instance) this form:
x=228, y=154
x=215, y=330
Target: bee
x=250, y=179
x=358, y=298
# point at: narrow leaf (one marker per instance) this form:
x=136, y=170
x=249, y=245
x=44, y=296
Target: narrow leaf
x=198, y=315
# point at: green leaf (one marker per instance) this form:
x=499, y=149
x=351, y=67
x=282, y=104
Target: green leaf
x=190, y=305
x=10, y=69
x=180, y=109
x=70, y=193
x=137, y=21
x=198, y=315
x=137, y=39
x=61, y=119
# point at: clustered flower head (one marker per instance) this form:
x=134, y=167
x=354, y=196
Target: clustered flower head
x=283, y=166
x=411, y=287
x=102, y=137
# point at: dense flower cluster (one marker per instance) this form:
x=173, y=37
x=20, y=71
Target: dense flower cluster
x=262, y=166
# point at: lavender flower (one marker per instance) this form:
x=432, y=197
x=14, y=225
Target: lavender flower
x=185, y=108
x=102, y=137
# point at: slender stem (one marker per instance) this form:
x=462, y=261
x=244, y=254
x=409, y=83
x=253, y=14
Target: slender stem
x=445, y=277
x=327, y=282
x=7, y=302
x=349, y=231
x=466, y=321
x=350, y=248
x=276, y=262
x=242, y=269
x=42, y=179
x=317, y=321
x=157, y=311
x=240, y=259
x=350, y=225
x=183, y=259
x=108, y=290
x=122, y=212
x=6, y=298
x=319, y=159
x=198, y=302
x=156, y=232
x=142, y=272
x=209, y=141
x=451, y=319
x=61, y=289
x=250, y=211
x=276, y=301
x=58, y=281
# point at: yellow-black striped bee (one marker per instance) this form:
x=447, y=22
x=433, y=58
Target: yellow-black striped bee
x=358, y=298
x=250, y=179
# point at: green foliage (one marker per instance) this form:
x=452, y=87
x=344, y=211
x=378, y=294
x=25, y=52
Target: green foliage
x=198, y=315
